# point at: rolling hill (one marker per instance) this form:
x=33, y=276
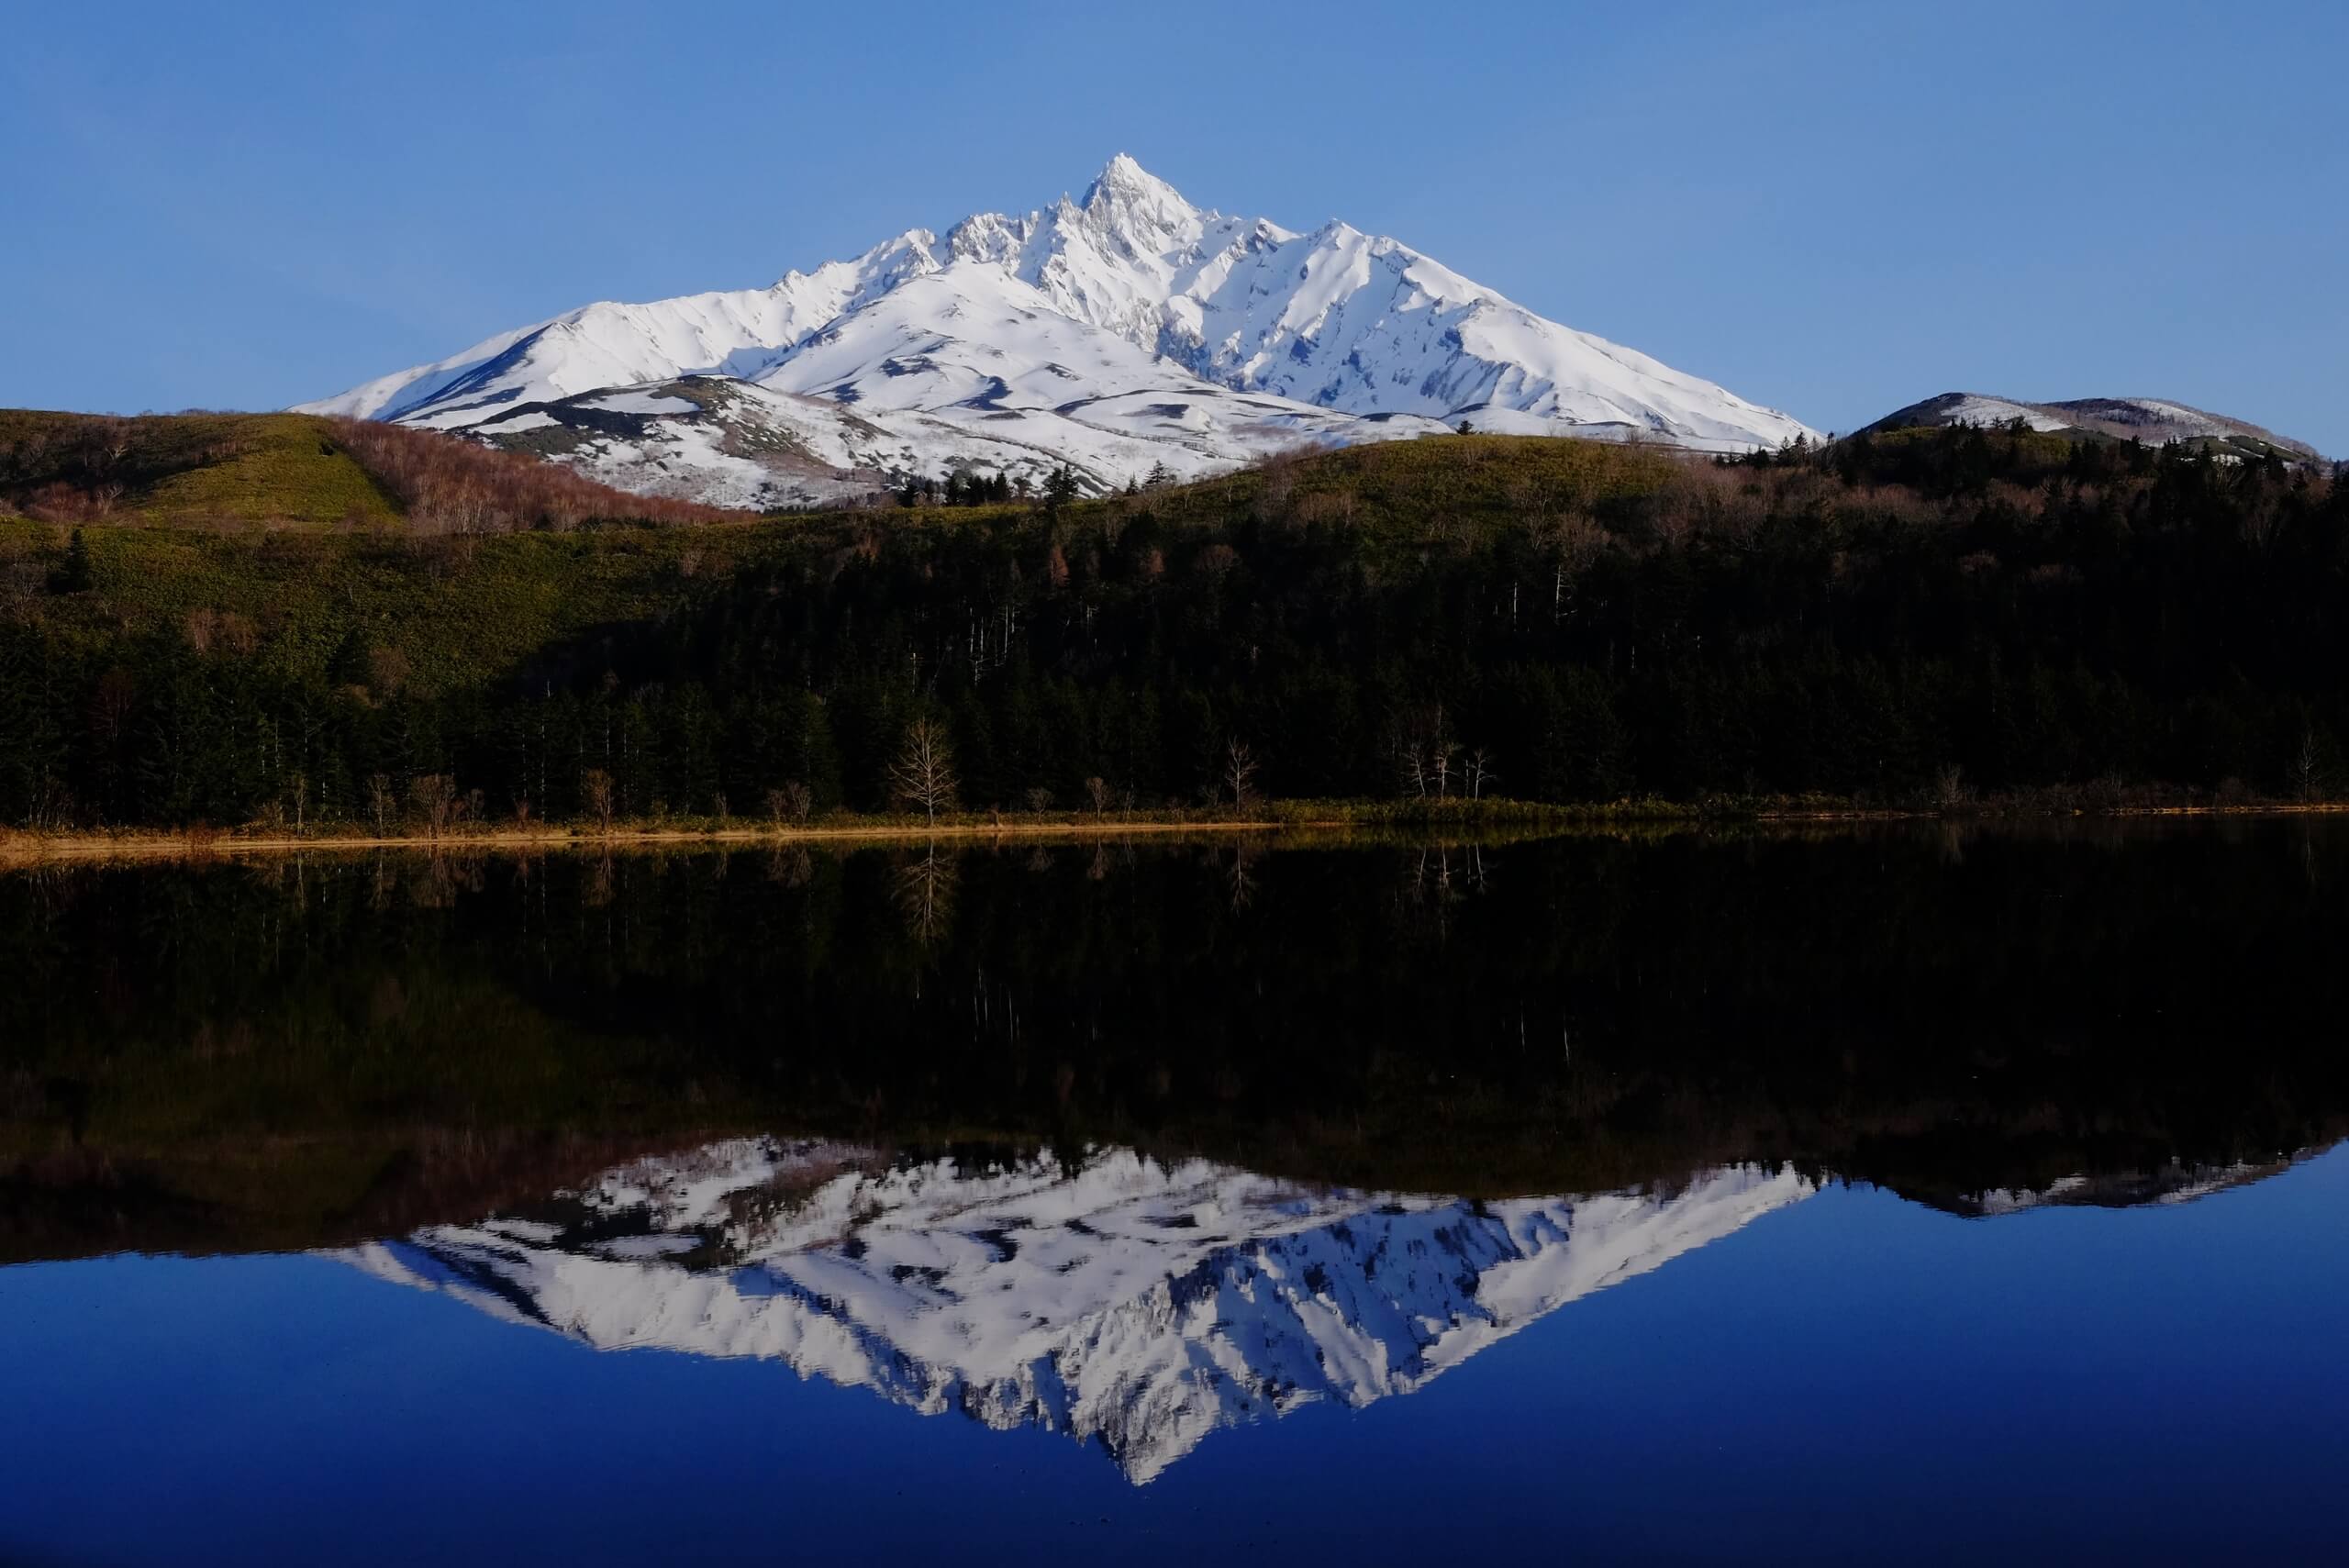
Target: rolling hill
x=2151, y=420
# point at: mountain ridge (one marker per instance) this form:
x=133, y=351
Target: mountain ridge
x=2156, y=421
x=1146, y=332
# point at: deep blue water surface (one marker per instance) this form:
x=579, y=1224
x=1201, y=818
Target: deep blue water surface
x=1852, y=1378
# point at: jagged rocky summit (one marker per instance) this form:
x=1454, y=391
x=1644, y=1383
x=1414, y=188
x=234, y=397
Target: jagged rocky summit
x=1122, y=333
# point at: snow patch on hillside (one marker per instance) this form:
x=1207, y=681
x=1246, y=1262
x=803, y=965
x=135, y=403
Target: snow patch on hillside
x=1973, y=408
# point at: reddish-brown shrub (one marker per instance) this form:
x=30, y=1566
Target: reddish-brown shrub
x=449, y=484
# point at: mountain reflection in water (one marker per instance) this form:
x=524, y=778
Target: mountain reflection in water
x=1112, y=1296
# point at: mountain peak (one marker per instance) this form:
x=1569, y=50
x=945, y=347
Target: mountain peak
x=1131, y=331
x=1128, y=197
x=1122, y=177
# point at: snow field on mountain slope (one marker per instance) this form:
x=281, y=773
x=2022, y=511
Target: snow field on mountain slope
x=1014, y=327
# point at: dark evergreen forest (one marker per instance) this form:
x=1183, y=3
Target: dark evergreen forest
x=1920, y=618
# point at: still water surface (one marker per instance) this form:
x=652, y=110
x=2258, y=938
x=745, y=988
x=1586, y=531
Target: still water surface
x=1898, y=1194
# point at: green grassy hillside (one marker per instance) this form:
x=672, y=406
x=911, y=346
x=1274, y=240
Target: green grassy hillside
x=186, y=469
x=443, y=612
x=233, y=471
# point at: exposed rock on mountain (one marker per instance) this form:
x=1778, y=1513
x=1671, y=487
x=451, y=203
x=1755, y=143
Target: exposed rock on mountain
x=1127, y=331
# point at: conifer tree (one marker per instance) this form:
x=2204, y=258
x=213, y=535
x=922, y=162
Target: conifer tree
x=75, y=574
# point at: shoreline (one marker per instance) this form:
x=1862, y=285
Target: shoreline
x=163, y=845
x=20, y=848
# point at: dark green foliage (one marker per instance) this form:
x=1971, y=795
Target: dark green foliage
x=75, y=574
x=955, y=490
x=1903, y=617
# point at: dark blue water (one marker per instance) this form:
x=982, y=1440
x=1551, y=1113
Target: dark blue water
x=1852, y=1378
x=384, y=1229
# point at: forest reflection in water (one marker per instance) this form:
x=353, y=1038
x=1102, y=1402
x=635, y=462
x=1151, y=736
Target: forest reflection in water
x=326, y=1049
x=1139, y=1143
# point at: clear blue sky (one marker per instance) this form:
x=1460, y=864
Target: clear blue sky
x=1832, y=207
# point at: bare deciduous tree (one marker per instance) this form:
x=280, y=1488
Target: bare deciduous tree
x=382, y=804
x=434, y=797
x=1949, y=787
x=1439, y=767
x=106, y=441
x=596, y=797
x=923, y=774
x=51, y=807
x=1425, y=753
x=795, y=802
x=1239, y=776
x=1477, y=771
x=1097, y=791
x=1412, y=768
x=2307, y=770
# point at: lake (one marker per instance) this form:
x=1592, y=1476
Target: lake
x=1925, y=1192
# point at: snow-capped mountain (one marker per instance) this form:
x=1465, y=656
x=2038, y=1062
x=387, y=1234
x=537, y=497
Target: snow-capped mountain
x=1119, y=333
x=2152, y=420
x=1114, y=1297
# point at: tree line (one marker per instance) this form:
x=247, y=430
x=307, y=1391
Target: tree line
x=1921, y=618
